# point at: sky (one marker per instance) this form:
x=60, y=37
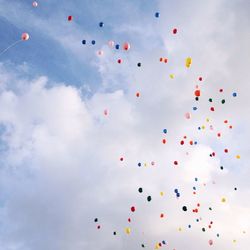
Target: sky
x=73, y=131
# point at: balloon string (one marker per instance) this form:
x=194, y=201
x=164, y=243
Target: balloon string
x=12, y=45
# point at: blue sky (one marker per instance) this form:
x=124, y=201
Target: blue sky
x=60, y=152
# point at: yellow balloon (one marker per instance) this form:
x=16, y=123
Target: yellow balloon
x=171, y=76
x=238, y=156
x=127, y=230
x=188, y=62
x=161, y=193
x=223, y=199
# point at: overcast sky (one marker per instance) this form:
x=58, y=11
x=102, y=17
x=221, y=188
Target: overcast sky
x=68, y=115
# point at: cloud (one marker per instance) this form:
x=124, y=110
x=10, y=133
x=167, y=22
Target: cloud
x=60, y=157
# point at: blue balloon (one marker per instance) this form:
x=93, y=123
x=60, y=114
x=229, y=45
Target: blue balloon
x=176, y=190
x=165, y=130
x=234, y=94
x=139, y=164
x=93, y=42
x=117, y=46
x=189, y=226
x=83, y=41
x=164, y=242
x=194, y=108
x=157, y=14
x=196, y=179
x=178, y=195
x=101, y=24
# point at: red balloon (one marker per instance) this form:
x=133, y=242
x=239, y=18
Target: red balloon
x=70, y=18
x=132, y=209
x=197, y=92
x=164, y=141
x=126, y=46
x=174, y=31
x=119, y=60
x=175, y=162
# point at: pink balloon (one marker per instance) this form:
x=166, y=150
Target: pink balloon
x=35, y=4
x=100, y=52
x=25, y=36
x=126, y=46
x=188, y=115
x=111, y=44
x=105, y=112
x=210, y=242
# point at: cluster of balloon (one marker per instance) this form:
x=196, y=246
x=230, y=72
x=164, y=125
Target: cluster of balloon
x=184, y=142
x=165, y=60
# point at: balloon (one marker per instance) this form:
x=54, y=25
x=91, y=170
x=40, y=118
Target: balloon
x=117, y=46
x=149, y=198
x=25, y=36
x=114, y=233
x=83, y=41
x=187, y=115
x=165, y=130
x=119, y=61
x=184, y=208
x=105, y=112
x=98, y=227
x=127, y=230
x=111, y=44
x=96, y=220
x=101, y=24
x=161, y=215
x=234, y=94
x=171, y=76
x=157, y=14
x=200, y=78
x=35, y=4
x=140, y=190
x=223, y=200
x=121, y=159
x=176, y=163
x=161, y=193
x=197, y=92
x=70, y=18
x=100, y=52
x=137, y=94
x=237, y=156
x=188, y=62
x=139, y=64
x=126, y=46
x=174, y=31
x=132, y=209
x=223, y=101
x=164, y=141
x=210, y=242
x=139, y=164
x=93, y=42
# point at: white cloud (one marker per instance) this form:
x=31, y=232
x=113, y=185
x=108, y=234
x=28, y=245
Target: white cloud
x=61, y=166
